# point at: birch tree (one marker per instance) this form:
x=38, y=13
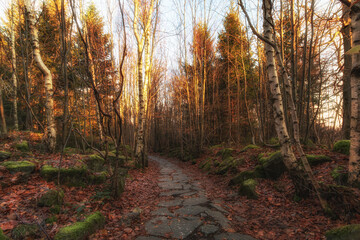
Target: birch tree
x=13, y=63
x=49, y=101
x=354, y=160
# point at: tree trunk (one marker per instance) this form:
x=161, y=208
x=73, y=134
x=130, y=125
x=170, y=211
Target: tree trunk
x=354, y=160
x=49, y=103
x=3, y=120
x=13, y=63
x=346, y=33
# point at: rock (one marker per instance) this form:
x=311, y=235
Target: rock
x=247, y=188
x=81, y=230
x=25, y=231
x=219, y=218
x=317, y=159
x=162, y=212
x=274, y=166
x=228, y=164
x=190, y=210
x=225, y=153
x=131, y=217
x=195, y=201
x=171, y=203
x=245, y=175
x=250, y=146
x=4, y=155
x=342, y=146
x=233, y=236
x=51, y=198
x=22, y=146
x=70, y=176
x=209, y=229
x=348, y=232
x=97, y=177
x=19, y=166
x=2, y=235
x=340, y=175
x=70, y=150
x=95, y=163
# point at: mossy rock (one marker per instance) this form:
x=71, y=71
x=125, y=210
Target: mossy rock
x=22, y=146
x=4, y=155
x=317, y=159
x=97, y=177
x=348, y=232
x=206, y=165
x=245, y=175
x=247, y=188
x=2, y=235
x=229, y=164
x=19, y=166
x=273, y=165
x=70, y=150
x=81, y=230
x=25, y=231
x=225, y=153
x=342, y=146
x=69, y=176
x=250, y=146
x=51, y=198
x=309, y=143
x=339, y=175
x=95, y=163
x=274, y=141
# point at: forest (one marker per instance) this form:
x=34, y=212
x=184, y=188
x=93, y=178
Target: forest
x=180, y=119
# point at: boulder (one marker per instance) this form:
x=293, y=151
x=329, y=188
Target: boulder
x=25, y=231
x=228, y=164
x=19, y=166
x=342, y=146
x=4, y=155
x=51, y=198
x=245, y=175
x=22, y=146
x=81, y=230
x=225, y=153
x=95, y=163
x=273, y=165
x=317, y=159
x=250, y=146
x=70, y=176
x=348, y=232
x=339, y=175
x=247, y=188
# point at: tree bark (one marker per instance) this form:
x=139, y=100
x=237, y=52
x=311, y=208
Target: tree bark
x=354, y=160
x=49, y=102
x=3, y=119
x=13, y=63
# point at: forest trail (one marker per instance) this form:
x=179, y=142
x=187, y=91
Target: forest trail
x=189, y=214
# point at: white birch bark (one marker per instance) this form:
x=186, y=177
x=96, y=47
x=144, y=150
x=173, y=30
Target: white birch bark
x=13, y=63
x=49, y=102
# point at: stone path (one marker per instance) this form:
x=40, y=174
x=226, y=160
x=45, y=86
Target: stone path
x=189, y=214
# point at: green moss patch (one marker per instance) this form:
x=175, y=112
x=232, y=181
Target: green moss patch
x=19, y=166
x=4, y=155
x=317, y=159
x=245, y=175
x=25, y=231
x=273, y=165
x=97, y=177
x=225, y=153
x=2, y=235
x=69, y=176
x=250, y=146
x=51, y=198
x=342, y=146
x=81, y=230
x=22, y=146
x=339, y=175
x=95, y=163
x=247, y=188
x=348, y=232
x=228, y=164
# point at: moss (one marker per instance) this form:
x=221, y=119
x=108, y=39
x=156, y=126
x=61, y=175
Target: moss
x=19, y=166
x=247, y=188
x=339, y=175
x=51, y=198
x=229, y=164
x=25, y=231
x=309, y=144
x=225, y=153
x=97, y=178
x=70, y=150
x=251, y=146
x=81, y=230
x=243, y=176
x=22, y=146
x=95, y=163
x=348, y=232
x=274, y=141
x=4, y=155
x=69, y=176
x=55, y=209
x=2, y=235
x=273, y=165
x=317, y=159
x=342, y=146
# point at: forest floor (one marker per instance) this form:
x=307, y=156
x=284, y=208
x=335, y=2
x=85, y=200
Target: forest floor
x=194, y=203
